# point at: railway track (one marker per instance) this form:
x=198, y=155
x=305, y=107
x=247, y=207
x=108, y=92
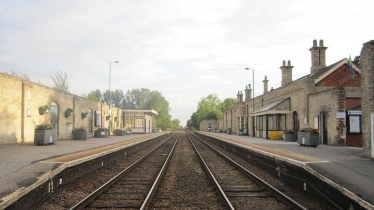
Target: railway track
x=186, y=172
x=133, y=187
x=240, y=188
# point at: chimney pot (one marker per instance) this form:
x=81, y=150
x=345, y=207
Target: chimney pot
x=315, y=43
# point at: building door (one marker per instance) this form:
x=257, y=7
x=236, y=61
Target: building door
x=90, y=121
x=324, y=128
x=295, y=123
x=54, y=116
x=253, y=127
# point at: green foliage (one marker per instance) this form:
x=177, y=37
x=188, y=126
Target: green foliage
x=357, y=60
x=210, y=108
x=61, y=82
x=228, y=103
x=175, y=125
x=140, y=99
x=116, y=97
x=19, y=75
x=94, y=95
x=193, y=121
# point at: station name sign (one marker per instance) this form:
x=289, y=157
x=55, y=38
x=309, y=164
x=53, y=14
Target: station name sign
x=354, y=112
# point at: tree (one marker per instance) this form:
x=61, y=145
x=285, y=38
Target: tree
x=61, y=82
x=175, y=124
x=210, y=108
x=19, y=75
x=94, y=95
x=193, y=121
x=146, y=99
x=228, y=103
x=357, y=60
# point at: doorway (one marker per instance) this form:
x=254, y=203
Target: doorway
x=90, y=122
x=324, y=128
x=54, y=116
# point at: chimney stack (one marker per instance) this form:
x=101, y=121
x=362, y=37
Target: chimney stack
x=286, y=73
x=240, y=96
x=318, y=56
x=266, y=81
x=248, y=92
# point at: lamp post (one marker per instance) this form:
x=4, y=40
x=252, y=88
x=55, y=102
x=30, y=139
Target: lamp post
x=110, y=67
x=253, y=97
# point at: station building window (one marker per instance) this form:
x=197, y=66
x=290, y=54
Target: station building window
x=277, y=122
x=138, y=122
x=129, y=122
x=240, y=123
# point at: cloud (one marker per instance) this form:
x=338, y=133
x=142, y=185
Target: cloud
x=185, y=49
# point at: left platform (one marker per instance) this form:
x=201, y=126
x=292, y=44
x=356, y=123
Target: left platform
x=25, y=167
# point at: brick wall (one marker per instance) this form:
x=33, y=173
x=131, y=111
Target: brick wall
x=11, y=109
x=334, y=79
x=367, y=101
x=204, y=124
x=352, y=103
x=20, y=98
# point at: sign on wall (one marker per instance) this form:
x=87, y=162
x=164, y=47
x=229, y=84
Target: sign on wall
x=354, y=124
x=340, y=115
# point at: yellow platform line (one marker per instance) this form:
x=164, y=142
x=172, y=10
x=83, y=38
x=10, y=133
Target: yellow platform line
x=87, y=153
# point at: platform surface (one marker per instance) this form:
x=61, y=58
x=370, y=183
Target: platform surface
x=343, y=165
x=21, y=165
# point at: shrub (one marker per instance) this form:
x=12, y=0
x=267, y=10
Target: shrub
x=288, y=131
x=44, y=127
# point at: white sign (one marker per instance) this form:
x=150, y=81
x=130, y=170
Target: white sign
x=354, y=124
x=340, y=115
x=355, y=112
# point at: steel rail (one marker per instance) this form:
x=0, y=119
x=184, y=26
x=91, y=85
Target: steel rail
x=281, y=196
x=211, y=176
x=153, y=189
x=81, y=204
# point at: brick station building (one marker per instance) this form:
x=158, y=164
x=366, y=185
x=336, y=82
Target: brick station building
x=327, y=99
x=22, y=100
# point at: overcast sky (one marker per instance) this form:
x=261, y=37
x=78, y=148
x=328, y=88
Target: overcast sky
x=185, y=49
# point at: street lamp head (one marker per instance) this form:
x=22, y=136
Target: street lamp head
x=116, y=62
x=248, y=69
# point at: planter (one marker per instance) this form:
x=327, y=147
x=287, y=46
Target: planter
x=289, y=137
x=128, y=132
x=68, y=114
x=42, y=110
x=80, y=135
x=120, y=133
x=45, y=137
x=101, y=134
x=308, y=139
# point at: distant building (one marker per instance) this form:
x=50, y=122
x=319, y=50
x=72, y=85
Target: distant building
x=327, y=99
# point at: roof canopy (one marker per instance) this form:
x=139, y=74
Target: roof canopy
x=277, y=107
x=146, y=111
